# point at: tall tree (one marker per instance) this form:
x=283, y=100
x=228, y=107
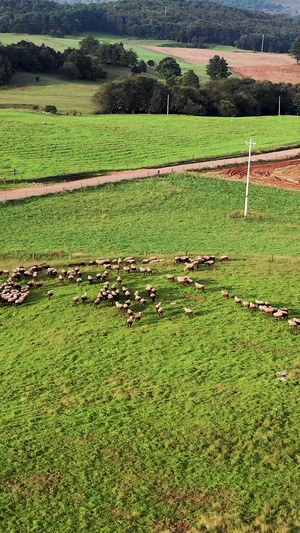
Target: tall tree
x=190, y=79
x=295, y=49
x=168, y=67
x=217, y=68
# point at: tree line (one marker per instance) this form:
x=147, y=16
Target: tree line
x=86, y=63
x=190, y=22
x=229, y=97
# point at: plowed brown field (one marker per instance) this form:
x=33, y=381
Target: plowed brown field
x=284, y=174
x=272, y=67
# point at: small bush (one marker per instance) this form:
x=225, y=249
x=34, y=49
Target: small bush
x=50, y=109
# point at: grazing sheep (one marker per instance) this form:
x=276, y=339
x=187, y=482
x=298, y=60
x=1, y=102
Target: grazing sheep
x=39, y=284
x=61, y=278
x=130, y=322
x=127, y=294
x=160, y=312
x=225, y=294
x=78, y=281
x=199, y=286
x=84, y=297
x=126, y=270
x=237, y=300
x=143, y=271
x=138, y=298
x=297, y=320
x=188, y=312
x=75, y=300
x=184, y=280
x=50, y=294
x=148, y=271
x=129, y=312
x=252, y=306
x=293, y=324
x=246, y=304
x=279, y=315
x=138, y=316
x=170, y=277
x=158, y=306
x=189, y=266
x=153, y=296
x=224, y=258
x=143, y=302
x=119, y=306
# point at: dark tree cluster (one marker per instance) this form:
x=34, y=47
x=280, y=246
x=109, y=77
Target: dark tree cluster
x=230, y=97
x=85, y=63
x=48, y=17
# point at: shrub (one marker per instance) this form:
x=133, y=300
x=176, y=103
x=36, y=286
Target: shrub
x=50, y=109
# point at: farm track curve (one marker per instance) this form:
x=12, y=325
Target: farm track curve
x=40, y=190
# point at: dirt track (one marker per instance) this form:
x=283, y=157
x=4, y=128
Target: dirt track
x=284, y=174
x=40, y=190
x=266, y=66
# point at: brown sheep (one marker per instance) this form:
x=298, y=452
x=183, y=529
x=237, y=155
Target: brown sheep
x=75, y=300
x=246, y=304
x=199, y=286
x=138, y=316
x=143, y=302
x=225, y=294
x=237, y=300
x=84, y=297
x=224, y=258
x=188, y=312
x=50, y=294
x=158, y=306
x=130, y=322
x=293, y=324
x=170, y=277
x=153, y=296
x=252, y=306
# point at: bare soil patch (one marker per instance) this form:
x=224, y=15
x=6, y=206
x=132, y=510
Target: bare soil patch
x=284, y=174
x=266, y=66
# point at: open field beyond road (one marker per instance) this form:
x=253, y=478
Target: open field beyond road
x=273, y=67
x=67, y=144
x=178, y=424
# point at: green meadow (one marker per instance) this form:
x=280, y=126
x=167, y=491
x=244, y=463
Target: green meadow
x=176, y=425
x=40, y=145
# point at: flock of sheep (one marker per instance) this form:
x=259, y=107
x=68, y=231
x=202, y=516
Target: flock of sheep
x=281, y=313
x=12, y=292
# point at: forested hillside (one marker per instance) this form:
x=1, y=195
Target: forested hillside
x=288, y=7
x=187, y=21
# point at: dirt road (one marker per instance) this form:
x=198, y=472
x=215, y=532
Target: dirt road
x=39, y=190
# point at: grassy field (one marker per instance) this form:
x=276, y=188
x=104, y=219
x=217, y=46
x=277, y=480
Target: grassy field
x=177, y=425
x=67, y=95
x=67, y=144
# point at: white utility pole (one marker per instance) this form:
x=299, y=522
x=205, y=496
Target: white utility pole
x=279, y=106
x=166, y=10
x=168, y=104
x=250, y=144
x=262, y=42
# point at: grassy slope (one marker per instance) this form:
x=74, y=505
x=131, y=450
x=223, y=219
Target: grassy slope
x=72, y=144
x=69, y=95
x=57, y=90
x=176, y=424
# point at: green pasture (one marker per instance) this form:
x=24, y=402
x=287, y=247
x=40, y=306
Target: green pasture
x=176, y=425
x=68, y=144
x=67, y=95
